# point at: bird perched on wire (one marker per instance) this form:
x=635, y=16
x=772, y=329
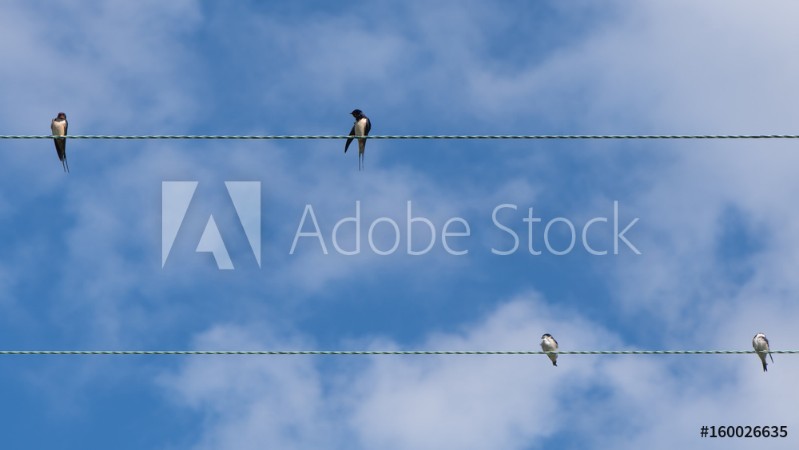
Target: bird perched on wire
x=550, y=345
x=760, y=344
x=59, y=128
x=361, y=127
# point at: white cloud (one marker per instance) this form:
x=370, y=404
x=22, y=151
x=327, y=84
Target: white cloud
x=386, y=401
x=254, y=402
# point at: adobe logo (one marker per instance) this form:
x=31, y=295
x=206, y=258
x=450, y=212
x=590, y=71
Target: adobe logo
x=176, y=196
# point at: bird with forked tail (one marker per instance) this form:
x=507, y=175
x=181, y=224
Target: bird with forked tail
x=760, y=344
x=59, y=127
x=361, y=127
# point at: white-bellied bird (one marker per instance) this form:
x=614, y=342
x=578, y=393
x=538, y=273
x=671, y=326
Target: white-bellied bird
x=361, y=127
x=59, y=127
x=550, y=345
x=760, y=344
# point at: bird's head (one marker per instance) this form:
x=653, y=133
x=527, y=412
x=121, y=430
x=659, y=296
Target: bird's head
x=357, y=113
x=61, y=116
x=546, y=335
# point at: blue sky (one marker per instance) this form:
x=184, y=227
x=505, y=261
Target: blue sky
x=717, y=223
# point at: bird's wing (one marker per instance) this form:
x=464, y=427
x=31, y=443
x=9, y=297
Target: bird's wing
x=556, y=342
x=66, y=126
x=349, y=141
x=768, y=347
x=368, y=127
x=60, y=148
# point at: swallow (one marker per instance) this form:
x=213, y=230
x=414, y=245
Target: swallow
x=59, y=128
x=550, y=345
x=760, y=344
x=361, y=127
